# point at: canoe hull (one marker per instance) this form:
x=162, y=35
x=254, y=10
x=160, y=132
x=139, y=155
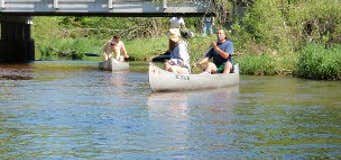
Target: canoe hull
x=113, y=65
x=161, y=80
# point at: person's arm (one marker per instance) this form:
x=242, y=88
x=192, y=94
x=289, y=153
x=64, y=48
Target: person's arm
x=207, y=57
x=124, y=51
x=104, y=52
x=170, y=46
x=222, y=53
x=106, y=47
x=202, y=61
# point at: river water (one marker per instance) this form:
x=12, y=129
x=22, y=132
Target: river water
x=71, y=110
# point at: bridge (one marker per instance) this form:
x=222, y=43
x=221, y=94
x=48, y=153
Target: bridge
x=16, y=44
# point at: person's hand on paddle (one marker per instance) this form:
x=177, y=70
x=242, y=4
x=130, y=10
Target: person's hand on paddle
x=126, y=57
x=214, y=45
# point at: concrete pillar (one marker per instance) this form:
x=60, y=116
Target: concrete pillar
x=16, y=44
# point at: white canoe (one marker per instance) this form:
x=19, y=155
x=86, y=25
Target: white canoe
x=114, y=65
x=162, y=80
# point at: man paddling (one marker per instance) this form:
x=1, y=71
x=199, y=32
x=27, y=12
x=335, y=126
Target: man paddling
x=221, y=55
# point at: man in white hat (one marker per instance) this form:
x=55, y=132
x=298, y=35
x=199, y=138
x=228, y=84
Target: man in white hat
x=179, y=62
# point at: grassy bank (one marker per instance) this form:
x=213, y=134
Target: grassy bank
x=313, y=61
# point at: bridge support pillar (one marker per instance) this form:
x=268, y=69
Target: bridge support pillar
x=16, y=44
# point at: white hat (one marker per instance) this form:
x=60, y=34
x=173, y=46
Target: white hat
x=174, y=35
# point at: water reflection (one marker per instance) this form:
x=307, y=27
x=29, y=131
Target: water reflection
x=193, y=122
x=16, y=72
x=119, y=79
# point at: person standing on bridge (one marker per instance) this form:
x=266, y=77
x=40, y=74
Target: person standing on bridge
x=208, y=23
x=116, y=46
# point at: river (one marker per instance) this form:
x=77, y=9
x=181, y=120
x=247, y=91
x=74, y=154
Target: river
x=71, y=110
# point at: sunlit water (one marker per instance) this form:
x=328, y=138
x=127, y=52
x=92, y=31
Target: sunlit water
x=71, y=110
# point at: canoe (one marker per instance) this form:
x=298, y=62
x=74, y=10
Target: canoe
x=114, y=65
x=162, y=80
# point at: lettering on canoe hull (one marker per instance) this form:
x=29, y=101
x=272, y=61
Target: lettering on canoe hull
x=182, y=77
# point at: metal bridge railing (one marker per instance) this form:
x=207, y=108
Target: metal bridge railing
x=110, y=4
x=137, y=7
x=2, y=3
x=55, y=4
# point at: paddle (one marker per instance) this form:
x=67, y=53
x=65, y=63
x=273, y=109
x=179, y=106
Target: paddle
x=92, y=54
x=127, y=59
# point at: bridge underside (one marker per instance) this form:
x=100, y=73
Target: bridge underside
x=16, y=44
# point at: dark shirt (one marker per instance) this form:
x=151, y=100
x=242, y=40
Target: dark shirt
x=218, y=60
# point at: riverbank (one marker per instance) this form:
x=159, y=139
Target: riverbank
x=312, y=62
x=300, y=38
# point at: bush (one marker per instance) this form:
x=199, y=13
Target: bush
x=315, y=21
x=45, y=52
x=264, y=24
x=257, y=64
x=68, y=48
x=317, y=62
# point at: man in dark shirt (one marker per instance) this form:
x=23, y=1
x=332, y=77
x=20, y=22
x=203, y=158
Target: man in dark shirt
x=221, y=53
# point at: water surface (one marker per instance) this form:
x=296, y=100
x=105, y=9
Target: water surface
x=71, y=110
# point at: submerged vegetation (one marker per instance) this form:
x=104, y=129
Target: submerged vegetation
x=271, y=37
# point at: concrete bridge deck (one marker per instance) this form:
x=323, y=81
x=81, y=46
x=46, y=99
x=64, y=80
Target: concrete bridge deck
x=103, y=7
x=16, y=44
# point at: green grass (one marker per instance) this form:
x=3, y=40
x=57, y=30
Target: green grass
x=67, y=48
x=317, y=62
x=257, y=64
x=144, y=49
